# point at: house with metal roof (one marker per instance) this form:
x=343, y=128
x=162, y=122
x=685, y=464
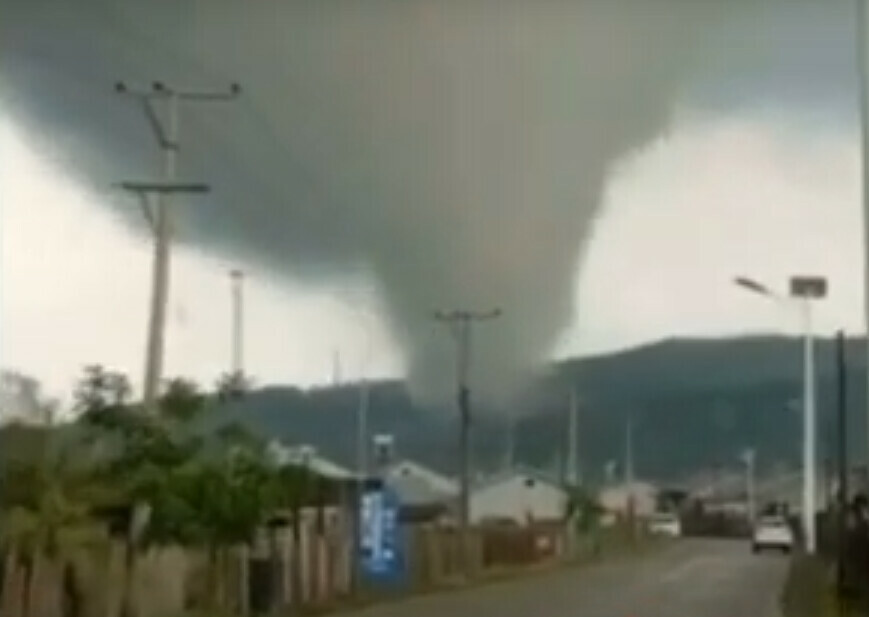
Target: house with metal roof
x=424, y=494
x=521, y=496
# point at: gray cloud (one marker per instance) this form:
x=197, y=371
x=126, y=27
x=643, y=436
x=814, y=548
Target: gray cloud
x=456, y=151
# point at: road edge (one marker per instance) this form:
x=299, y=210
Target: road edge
x=648, y=548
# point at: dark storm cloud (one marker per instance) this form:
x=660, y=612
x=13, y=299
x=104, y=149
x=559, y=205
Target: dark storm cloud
x=457, y=151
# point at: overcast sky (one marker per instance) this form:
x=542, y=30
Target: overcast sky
x=755, y=175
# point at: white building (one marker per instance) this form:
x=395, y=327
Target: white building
x=522, y=496
x=424, y=494
x=615, y=499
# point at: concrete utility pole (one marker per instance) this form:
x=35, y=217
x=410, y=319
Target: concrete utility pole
x=236, y=278
x=629, y=477
x=863, y=80
x=362, y=430
x=363, y=408
x=161, y=232
x=841, y=463
x=510, y=445
x=460, y=323
x=166, y=133
x=629, y=453
x=748, y=457
x=573, y=442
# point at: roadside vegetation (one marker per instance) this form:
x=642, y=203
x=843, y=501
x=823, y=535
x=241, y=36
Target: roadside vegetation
x=166, y=477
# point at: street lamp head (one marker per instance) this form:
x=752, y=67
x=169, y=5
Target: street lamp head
x=751, y=285
x=164, y=187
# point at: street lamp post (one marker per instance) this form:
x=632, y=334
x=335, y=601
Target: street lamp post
x=806, y=289
x=803, y=290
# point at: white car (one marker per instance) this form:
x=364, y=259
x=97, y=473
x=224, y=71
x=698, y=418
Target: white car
x=665, y=524
x=772, y=532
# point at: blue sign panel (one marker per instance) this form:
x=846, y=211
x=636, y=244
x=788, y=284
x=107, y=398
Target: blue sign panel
x=380, y=535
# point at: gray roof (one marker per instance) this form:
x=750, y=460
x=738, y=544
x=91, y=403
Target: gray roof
x=307, y=456
x=518, y=470
x=414, y=490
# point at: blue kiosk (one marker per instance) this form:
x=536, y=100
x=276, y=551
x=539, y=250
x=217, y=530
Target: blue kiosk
x=381, y=548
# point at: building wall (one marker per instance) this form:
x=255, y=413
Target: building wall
x=615, y=498
x=520, y=498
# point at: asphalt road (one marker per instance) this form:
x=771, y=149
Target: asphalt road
x=691, y=578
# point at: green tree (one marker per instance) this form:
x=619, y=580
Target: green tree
x=226, y=496
x=182, y=401
x=233, y=498
x=100, y=389
x=177, y=484
x=232, y=386
x=143, y=459
x=196, y=490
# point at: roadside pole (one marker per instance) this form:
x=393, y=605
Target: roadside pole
x=459, y=323
x=842, y=466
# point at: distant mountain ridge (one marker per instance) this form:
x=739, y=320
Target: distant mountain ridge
x=694, y=403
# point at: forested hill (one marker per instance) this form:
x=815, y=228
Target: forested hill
x=694, y=403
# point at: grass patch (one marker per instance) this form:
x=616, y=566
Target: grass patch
x=808, y=592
